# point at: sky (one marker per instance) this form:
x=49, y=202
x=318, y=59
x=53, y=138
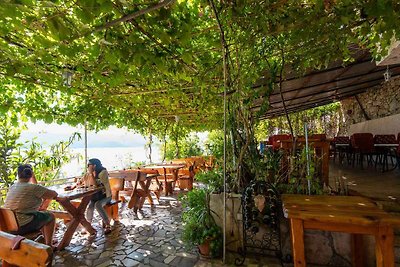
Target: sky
x=48, y=134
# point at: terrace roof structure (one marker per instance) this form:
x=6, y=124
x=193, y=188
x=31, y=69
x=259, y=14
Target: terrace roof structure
x=321, y=87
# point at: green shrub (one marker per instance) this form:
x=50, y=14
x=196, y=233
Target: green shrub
x=213, y=179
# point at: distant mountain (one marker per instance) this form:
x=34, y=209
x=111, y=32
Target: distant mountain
x=50, y=134
x=104, y=143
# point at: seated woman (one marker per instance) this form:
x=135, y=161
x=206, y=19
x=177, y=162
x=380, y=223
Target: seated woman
x=25, y=198
x=97, y=174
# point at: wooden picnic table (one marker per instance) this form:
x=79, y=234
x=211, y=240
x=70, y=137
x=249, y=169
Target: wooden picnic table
x=165, y=168
x=136, y=178
x=77, y=213
x=352, y=214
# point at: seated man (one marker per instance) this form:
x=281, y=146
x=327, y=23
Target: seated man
x=25, y=198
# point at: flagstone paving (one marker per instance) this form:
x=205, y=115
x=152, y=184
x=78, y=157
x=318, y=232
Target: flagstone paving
x=149, y=238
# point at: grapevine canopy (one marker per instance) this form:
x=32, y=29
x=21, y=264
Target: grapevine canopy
x=144, y=64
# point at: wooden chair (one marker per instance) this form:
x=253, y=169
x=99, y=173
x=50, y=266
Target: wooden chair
x=274, y=140
x=9, y=223
x=28, y=253
x=318, y=136
x=383, y=153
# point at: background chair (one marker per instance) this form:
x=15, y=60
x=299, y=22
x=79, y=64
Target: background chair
x=274, y=140
x=362, y=144
x=341, y=147
x=382, y=153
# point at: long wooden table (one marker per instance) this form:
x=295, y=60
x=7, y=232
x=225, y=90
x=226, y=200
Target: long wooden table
x=321, y=149
x=77, y=213
x=356, y=215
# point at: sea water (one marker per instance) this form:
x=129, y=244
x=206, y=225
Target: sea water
x=112, y=158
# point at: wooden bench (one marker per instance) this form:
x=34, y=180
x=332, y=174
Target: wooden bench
x=29, y=253
x=61, y=214
x=168, y=175
x=116, y=185
x=185, y=178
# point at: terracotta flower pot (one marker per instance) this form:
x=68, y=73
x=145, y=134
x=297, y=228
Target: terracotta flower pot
x=204, y=248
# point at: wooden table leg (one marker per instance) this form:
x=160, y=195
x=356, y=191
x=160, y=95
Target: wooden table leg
x=384, y=250
x=165, y=182
x=145, y=186
x=357, y=252
x=78, y=217
x=297, y=231
x=134, y=196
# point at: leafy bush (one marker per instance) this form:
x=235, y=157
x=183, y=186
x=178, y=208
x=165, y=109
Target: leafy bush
x=199, y=224
x=46, y=162
x=186, y=147
x=213, y=179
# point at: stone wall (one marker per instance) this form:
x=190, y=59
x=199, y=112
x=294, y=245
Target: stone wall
x=377, y=102
x=233, y=218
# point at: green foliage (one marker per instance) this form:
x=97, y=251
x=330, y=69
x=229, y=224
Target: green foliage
x=183, y=147
x=168, y=62
x=272, y=160
x=129, y=74
x=213, y=179
x=10, y=156
x=199, y=224
x=214, y=144
x=46, y=162
x=298, y=175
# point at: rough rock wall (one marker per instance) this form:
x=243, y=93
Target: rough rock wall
x=380, y=101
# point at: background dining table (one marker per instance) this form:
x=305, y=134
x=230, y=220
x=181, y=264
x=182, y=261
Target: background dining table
x=165, y=170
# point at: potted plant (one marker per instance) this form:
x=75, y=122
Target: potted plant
x=199, y=227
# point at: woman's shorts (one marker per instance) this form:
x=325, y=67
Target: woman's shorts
x=40, y=219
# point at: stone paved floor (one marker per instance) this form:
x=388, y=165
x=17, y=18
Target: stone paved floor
x=150, y=238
